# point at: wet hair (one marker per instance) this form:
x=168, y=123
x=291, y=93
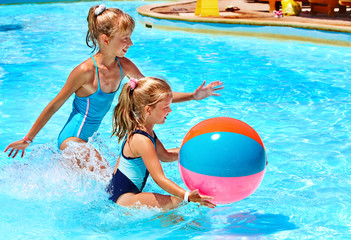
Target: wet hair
x=129, y=112
x=111, y=21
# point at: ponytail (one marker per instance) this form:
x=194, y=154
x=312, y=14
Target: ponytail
x=124, y=121
x=91, y=34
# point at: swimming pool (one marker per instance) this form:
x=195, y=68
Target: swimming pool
x=295, y=94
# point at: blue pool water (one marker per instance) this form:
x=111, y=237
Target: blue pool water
x=295, y=94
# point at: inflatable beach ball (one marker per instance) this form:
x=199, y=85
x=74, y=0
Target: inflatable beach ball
x=223, y=158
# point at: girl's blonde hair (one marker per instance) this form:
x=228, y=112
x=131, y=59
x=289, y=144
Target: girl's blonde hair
x=111, y=21
x=129, y=112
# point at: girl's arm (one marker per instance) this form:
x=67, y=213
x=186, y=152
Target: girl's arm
x=147, y=151
x=166, y=155
x=130, y=69
x=75, y=80
x=200, y=93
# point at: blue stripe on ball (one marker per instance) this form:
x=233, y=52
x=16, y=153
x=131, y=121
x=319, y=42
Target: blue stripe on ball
x=223, y=154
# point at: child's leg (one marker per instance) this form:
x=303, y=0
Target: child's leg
x=165, y=202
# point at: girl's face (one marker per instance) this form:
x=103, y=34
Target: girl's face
x=120, y=43
x=161, y=110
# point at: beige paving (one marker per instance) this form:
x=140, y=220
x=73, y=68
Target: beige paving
x=252, y=13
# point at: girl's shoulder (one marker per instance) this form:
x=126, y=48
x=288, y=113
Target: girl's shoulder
x=126, y=63
x=140, y=138
x=130, y=68
x=87, y=66
x=125, y=60
x=85, y=69
x=139, y=144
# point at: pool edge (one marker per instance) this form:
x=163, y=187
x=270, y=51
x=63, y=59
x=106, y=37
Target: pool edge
x=160, y=20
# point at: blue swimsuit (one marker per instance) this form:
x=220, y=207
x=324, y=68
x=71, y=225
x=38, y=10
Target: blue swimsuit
x=131, y=174
x=88, y=112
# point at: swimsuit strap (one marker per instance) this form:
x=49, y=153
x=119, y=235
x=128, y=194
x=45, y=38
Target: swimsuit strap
x=138, y=131
x=146, y=135
x=120, y=66
x=97, y=73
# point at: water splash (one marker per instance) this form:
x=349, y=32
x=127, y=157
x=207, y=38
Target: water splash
x=51, y=174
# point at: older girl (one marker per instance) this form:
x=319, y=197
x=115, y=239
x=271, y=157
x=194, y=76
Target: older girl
x=96, y=81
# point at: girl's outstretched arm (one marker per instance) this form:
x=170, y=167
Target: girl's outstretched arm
x=147, y=151
x=200, y=93
x=75, y=80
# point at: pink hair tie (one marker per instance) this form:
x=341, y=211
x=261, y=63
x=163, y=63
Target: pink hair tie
x=133, y=83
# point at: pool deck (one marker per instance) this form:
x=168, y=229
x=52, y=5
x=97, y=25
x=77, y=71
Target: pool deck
x=250, y=13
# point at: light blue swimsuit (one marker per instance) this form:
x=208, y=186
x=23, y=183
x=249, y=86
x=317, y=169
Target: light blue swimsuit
x=131, y=174
x=88, y=112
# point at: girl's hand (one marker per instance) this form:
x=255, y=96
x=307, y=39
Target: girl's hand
x=203, y=92
x=194, y=196
x=16, y=147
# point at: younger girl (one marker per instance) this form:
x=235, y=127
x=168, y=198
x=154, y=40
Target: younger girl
x=142, y=104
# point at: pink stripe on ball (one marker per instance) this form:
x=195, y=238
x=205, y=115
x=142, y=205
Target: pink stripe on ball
x=223, y=189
